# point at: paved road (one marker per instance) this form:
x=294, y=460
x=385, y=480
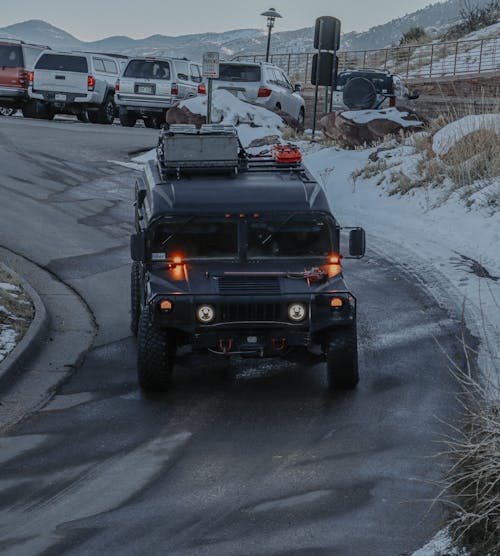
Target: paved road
x=254, y=460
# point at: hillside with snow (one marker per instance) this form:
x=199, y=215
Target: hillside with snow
x=435, y=18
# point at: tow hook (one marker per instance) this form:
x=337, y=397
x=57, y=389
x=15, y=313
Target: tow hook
x=225, y=349
x=279, y=344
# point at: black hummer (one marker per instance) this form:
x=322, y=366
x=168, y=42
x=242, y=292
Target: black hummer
x=237, y=255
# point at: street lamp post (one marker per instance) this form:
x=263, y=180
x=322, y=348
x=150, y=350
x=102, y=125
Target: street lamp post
x=271, y=15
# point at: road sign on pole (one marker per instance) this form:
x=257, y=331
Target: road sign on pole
x=210, y=70
x=211, y=65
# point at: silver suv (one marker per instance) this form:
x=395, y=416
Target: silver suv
x=262, y=83
x=74, y=83
x=371, y=89
x=148, y=87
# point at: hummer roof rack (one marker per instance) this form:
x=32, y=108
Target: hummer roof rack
x=215, y=148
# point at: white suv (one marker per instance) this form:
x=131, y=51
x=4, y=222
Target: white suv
x=148, y=87
x=74, y=83
x=262, y=83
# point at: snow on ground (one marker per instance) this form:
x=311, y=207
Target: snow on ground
x=440, y=545
x=252, y=122
x=444, y=139
x=392, y=114
x=16, y=313
x=442, y=243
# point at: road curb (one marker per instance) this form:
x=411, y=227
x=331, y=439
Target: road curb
x=32, y=338
x=53, y=347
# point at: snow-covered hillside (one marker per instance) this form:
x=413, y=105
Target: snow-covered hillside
x=435, y=18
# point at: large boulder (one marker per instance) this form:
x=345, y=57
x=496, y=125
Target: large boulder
x=357, y=128
x=182, y=115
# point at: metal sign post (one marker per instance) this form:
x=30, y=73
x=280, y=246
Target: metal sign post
x=210, y=71
x=324, y=71
x=317, y=80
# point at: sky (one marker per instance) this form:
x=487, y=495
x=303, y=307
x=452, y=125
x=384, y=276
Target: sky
x=94, y=19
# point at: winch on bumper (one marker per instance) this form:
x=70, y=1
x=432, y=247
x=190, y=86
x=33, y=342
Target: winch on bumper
x=257, y=326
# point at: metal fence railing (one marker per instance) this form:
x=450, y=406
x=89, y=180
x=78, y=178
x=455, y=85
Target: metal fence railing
x=412, y=62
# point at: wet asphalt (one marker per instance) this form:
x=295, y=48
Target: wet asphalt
x=254, y=458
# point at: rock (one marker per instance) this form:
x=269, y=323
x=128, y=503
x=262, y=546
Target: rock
x=264, y=141
x=352, y=134
x=183, y=115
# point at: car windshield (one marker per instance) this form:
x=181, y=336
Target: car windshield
x=11, y=56
x=239, y=72
x=293, y=235
x=62, y=62
x=148, y=69
x=196, y=237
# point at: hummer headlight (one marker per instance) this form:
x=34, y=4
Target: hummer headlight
x=205, y=314
x=297, y=312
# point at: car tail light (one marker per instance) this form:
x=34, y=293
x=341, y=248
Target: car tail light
x=117, y=86
x=392, y=102
x=90, y=82
x=32, y=77
x=334, y=259
x=202, y=89
x=263, y=92
x=174, y=89
x=22, y=77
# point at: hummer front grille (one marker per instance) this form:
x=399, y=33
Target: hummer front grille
x=251, y=312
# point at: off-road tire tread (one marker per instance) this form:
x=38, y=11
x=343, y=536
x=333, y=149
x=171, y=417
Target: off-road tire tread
x=127, y=119
x=155, y=356
x=342, y=359
x=135, y=297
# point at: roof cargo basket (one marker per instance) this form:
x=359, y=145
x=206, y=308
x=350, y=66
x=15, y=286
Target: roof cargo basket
x=187, y=149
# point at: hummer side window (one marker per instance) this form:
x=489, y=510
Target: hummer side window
x=289, y=236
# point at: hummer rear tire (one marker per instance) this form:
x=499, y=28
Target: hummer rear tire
x=155, y=355
x=342, y=358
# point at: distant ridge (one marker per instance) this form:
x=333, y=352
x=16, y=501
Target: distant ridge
x=435, y=18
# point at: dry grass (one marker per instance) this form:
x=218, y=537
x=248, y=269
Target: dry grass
x=472, y=484
x=290, y=134
x=471, y=167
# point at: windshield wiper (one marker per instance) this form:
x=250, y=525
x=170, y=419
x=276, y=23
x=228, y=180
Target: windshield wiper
x=279, y=228
x=177, y=230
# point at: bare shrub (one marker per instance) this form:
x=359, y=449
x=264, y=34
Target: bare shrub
x=414, y=35
x=474, y=17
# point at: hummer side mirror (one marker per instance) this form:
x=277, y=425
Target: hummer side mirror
x=357, y=243
x=297, y=88
x=138, y=247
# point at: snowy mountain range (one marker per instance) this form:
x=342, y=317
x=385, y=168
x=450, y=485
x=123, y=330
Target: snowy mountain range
x=434, y=18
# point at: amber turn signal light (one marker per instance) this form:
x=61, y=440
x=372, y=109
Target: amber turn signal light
x=334, y=259
x=166, y=305
x=336, y=302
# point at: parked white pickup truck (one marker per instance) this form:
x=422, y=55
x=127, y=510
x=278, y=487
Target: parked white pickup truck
x=74, y=83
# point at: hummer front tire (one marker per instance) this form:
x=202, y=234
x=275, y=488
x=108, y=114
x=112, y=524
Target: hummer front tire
x=155, y=355
x=342, y=359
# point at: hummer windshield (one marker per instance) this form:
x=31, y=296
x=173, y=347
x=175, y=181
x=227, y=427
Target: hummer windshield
x=254, y=237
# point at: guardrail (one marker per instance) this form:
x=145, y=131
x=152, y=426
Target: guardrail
x=412, y=62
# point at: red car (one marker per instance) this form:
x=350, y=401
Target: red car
x=17, y=59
